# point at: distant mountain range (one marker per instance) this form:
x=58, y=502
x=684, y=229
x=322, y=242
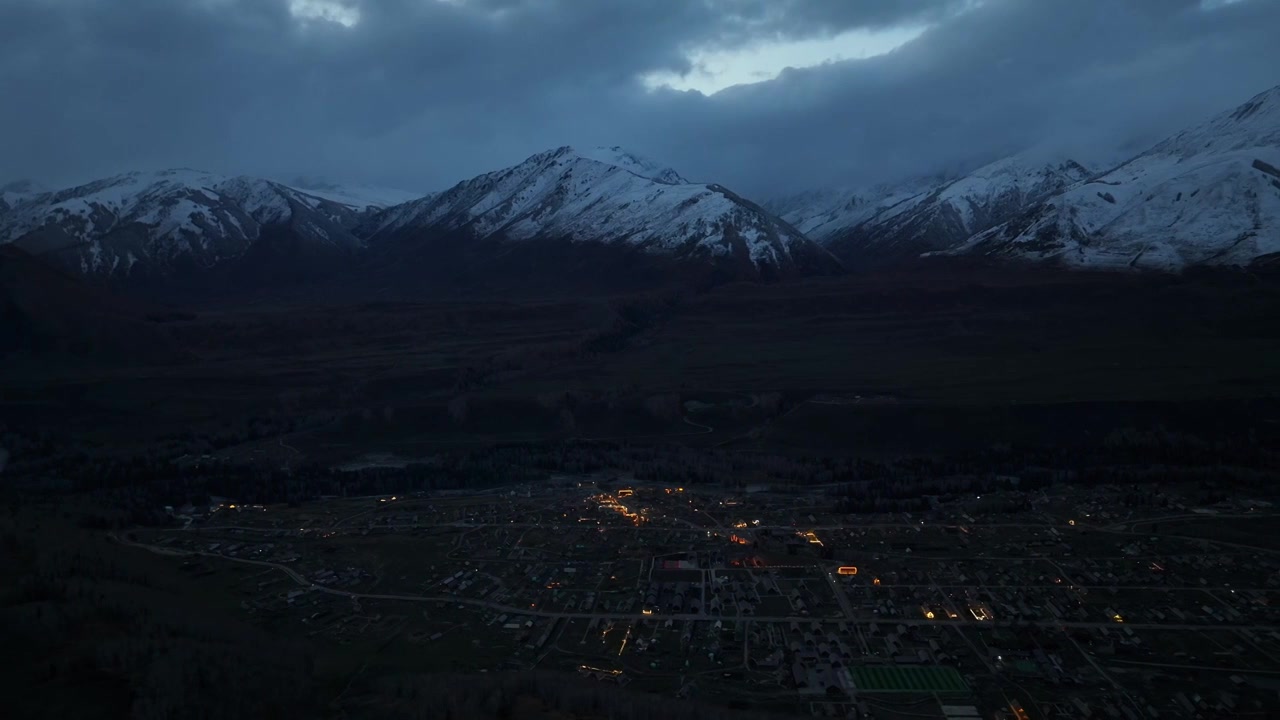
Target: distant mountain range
x=1208, y=195
x=154, y=225
x=889, y=224
x=573, y=205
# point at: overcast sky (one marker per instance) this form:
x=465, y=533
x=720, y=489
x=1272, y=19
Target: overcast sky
x=765, y=96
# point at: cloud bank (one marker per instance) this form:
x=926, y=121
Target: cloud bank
x=422, y=93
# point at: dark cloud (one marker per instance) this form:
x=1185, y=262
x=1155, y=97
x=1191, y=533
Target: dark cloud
x=421, y=93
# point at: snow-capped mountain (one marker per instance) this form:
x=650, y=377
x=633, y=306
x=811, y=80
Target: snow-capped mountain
x=15, y=192
x=634, y=164
x=612, y=197
x=1208, y=195
x=824, y=214
x=149, y=223
x=895, y=222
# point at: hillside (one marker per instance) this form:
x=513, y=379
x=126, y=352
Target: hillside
x=1209, y=195
x=606, y=197
x=46, y=312
x=155, y=225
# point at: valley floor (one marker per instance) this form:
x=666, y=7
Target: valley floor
x=856, y=364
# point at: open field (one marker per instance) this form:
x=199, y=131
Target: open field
x=1243, y=531
x=911, y=363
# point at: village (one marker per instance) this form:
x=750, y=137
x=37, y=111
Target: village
x=1019, y=605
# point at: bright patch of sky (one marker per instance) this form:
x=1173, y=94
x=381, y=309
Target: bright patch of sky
x=716, y=70
x=329, y=10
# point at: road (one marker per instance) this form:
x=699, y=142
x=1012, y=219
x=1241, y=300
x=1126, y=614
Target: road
x=1088, y=656
x=705, y=428
x=845, y=607
x=303, y=582
x=287, y=446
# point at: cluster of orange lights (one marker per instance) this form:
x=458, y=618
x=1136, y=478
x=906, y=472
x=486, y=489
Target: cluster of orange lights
x=607, y=502
x=930, y=614
x=738, y=539
x=811, y=537
x=847, y=570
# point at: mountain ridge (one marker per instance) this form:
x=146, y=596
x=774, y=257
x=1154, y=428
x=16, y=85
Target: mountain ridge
x=1208, y=195
x=565, y=194
x=148, y=223
x=192, y=228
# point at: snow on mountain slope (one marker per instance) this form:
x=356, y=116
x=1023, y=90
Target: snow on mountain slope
x=356, y=197
x=633, y=164
x=150, y=221
x=824, y=214
x=15, y=192
x=1208, y=195
x=910, y=222
x=607, y=196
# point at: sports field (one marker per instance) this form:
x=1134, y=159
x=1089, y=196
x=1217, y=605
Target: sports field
x=908, y=679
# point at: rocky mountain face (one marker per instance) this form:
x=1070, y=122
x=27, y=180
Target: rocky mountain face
x=1209, y=195
x=609, y=197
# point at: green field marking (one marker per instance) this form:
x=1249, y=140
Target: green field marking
x=914, y=679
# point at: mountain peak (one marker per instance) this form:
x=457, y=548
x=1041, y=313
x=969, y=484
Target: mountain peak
x=608, y=196
x=633, y=163
x=1253, y=123
x=1266, y=100
x=614, y=156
